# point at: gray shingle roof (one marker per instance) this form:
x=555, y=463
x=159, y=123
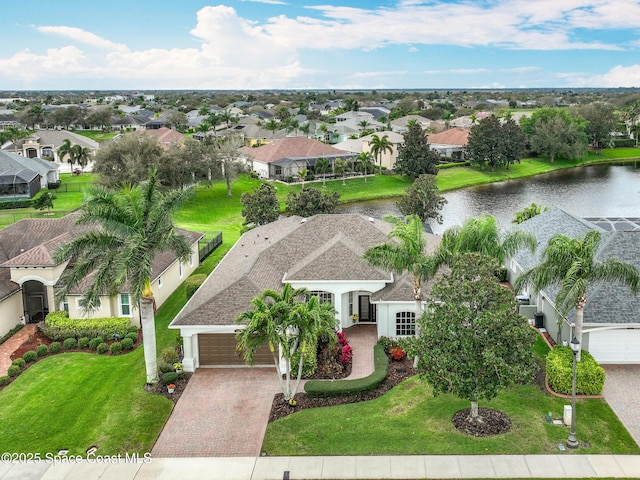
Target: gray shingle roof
x=322, y=247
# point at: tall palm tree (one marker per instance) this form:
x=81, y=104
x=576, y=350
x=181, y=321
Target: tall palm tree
x=288, y=322
x=363, y=124
x=365, y=162
x=130, y=227
x=480, y=234
x=341, y=167
x=214, y=120
x=64, y=150
x=323, y=166
x=304, y=128
x=14, y=134
x=293, y=125
x=571, y=265
x=273, y=126
x=379, y=146
x=407, y=255
x=80, y=155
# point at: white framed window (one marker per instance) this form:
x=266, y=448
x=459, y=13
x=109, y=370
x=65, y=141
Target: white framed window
x=125, y=305
x=325, y=297
x=405, y=323
x=350, y=304
x=191, y=259
x=64, y=304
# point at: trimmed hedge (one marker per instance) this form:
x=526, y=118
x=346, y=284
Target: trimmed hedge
x=11, y=204
x=127, y=343
x=30, y=356
x=102, y=348
x=13, y=371
x=589, y=374
x=70, y=343
x=192, y=283
x=461, y=163
x=58, y=326
x=83, y=342
x=42, y=350
x=55, y=347
x=169, y=377
x=4, y=381
x=19, y=362
x=94, y=342
x=339, y=388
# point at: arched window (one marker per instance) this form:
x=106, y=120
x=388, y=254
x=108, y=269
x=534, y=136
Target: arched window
x=405, y=323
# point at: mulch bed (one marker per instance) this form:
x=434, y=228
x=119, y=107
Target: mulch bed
x=489, y=422
x=161, y=389
x=398, y=371
x=38, y=338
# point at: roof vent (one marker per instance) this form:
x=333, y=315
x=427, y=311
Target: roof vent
x=371, y=219
x=303, y=220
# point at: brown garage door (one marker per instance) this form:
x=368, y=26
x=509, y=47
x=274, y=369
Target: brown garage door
x=220, y=349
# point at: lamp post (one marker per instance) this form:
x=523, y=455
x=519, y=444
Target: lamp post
x=572, y=441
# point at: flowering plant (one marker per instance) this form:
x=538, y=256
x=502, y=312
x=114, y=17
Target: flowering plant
x=397, y=353
x=346, y=354
x=171, y=386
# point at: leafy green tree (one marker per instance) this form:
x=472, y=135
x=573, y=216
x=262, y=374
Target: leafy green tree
x=130, y=227
x=601, y=121
x=99, y=117
x=415, y=157
x=554, y=133
x=178, y=120
x=495, y=143
x=282, y=113
x=481, y=235
x=67, y=116
x=261, y=206
x=44, y=201
x=289, y=322
x=570, y=264
x=408, y=254
x=14, y=135
x=127, y=159
x=528, y=212
x=312, y=201
x=378, y=146
x=229, y=155
x=473, y=342
x=422, y=199
x=341, y=167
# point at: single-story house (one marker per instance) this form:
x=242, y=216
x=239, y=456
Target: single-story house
x=323, y=254
x=29, y=274
x=285, y=157
x=165, y=136
x=450, y=143
x=611, y=320
x=22, y=177
x=45, y=144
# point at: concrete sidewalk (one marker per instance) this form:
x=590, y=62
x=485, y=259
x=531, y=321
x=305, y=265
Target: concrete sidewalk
x=384, y=467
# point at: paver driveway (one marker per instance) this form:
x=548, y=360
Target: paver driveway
x=223, y=412
x=622, y=392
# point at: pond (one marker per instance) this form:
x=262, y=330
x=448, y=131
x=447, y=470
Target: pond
x=602, y=190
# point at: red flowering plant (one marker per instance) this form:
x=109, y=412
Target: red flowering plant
x=346, y=354
x=397, y=352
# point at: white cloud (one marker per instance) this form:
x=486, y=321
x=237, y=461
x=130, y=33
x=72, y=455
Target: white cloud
x=379, y=74
x=83, y=36
x=618, y=76
x=268, y=2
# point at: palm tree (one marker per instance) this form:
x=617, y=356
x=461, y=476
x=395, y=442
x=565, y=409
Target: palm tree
x=480, y=234
x=323, y=166
x=408, y=255
x=81, y=155
x=14, y=134
x=570, y=264
x=341, y=167
x=304, y=128
x=65, y=149
x=293, y=124
x=363, y=124
x=132, y=225
x=379, y=146
x=365, y=162
x=528, y=212
x=291, y=321
x=214, y=120
x=273, y=126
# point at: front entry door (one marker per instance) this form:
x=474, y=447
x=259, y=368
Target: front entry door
x=366, y=309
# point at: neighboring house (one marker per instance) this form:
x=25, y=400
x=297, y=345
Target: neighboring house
x=322, y=253
x=401, y=125
x=165, y=136
x=28, y=273
x=285, y=157
x=45, y=144
x=24, y=177
x=611, y=319
x=130, y=122
x=450, y=143
x=361, y=144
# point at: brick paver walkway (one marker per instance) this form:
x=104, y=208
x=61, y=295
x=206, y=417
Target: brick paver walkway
x=622, y=392
x=224, y=412
x=11, y=345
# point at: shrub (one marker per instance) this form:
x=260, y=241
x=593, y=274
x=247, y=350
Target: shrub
x=169, y=355
x=69, y=343
x=102, y=348
x=30, y=356
x=83, y=342
x=346, y=354
x=13, y=371
x=19, y=362
x=169, y=377
x=5, y=380
x=338, y=388
x=589, y=374
x=127, y=343
x=55, y=347
x=397, y=352
x=309, y=363
x=115, y=348
x=42, y=350
x=94, y=342
x=133, y=336
x=11, y=204
x=164, y=367
x=192, y=283
x=386, y=343
x=59, y=326
x=132, y=329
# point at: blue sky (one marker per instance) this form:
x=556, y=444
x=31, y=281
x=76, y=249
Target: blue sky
x=330, y=44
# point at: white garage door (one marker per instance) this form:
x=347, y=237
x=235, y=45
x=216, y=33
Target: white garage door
x=615, y=346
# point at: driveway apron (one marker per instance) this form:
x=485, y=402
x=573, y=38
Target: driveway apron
x=622, y=392
x=223, y=412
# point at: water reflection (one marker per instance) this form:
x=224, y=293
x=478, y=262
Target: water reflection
x=602, y=190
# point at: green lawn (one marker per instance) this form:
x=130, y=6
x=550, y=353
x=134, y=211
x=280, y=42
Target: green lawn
x=97, y=135
x=408, y=420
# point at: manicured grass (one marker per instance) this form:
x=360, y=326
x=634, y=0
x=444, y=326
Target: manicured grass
x=409, y=420
x=97, y=135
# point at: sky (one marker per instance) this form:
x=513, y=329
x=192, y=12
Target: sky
x=325, y=44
